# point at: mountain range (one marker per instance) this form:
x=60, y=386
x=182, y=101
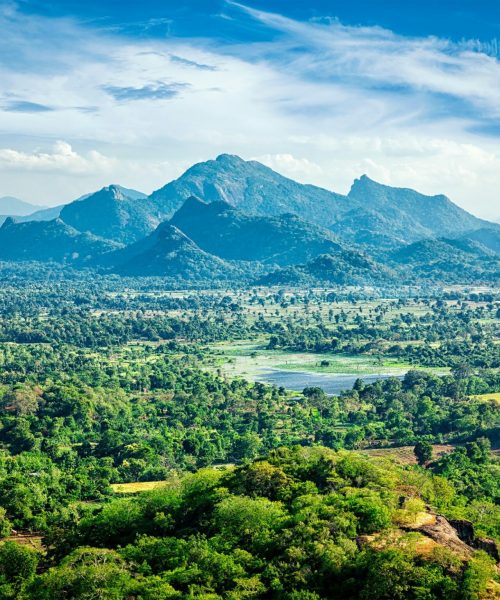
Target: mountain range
x=233, y=219
x=13, y=206
x=49, y=241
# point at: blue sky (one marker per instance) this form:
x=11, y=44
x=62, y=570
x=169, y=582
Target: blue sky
x=323, y=91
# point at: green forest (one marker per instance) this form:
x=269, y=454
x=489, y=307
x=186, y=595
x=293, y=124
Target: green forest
x=133, y=466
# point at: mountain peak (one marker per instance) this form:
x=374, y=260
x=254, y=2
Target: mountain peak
x=113, y=190
x=230, y=159
x=111, y=213
x=363, y=182
x=9, y=221
x=251, y=187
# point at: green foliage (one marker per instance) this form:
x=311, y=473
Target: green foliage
x=423, y=451
x=477, y=575
x=85, y=573
x=472, y=470
x=102, y=384
x=286, y=527
x=17, y=568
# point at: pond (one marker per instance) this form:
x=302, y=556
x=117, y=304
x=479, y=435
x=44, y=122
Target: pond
x=331, y=383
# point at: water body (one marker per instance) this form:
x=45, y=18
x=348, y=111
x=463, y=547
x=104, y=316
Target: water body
x=331, y=383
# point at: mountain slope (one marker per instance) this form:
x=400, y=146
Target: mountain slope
x=251, y=187
x=368, y=229
x=45, y=214
x=447, y=260
x=228, y=233
x=48, y=214
x=170, y=253
x=48, y=241
x=14, y=207
x=487, y=237
x=409, y=215
x=111, y=214
x=344, y=268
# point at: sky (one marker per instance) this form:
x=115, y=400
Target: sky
x=323, y=91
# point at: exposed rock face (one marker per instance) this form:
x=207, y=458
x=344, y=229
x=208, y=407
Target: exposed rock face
x=465, y=531
x=457, y=535
x=444, y=534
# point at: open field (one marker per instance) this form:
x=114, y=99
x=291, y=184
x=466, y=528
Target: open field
x=33, y=540
x=404, y=454
x=491, y=396
x=136, y=487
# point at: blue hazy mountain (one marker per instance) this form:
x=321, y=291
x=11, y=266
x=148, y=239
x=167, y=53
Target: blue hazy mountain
x=229, y=233
x=224, y=239
x=33, y=212
x=405, y=213
x=13, y=207
x=168, y=252
x=113, y=213
x=49, y=241
x=250, y=186
x=16, y=208
x=371, y=213
x=343, y=268
x=44, y=214
x=488, y=237
x=461, y=260
x=236, y=216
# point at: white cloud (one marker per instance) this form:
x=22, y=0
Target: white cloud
x=321, y=103
x=62, y=158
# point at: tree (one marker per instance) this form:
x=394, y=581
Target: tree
x=86, y=573
x=17, y=568
x=423, y=452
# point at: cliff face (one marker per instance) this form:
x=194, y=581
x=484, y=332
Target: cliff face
x=435, y=530
x=457, y=535
x=465, y=531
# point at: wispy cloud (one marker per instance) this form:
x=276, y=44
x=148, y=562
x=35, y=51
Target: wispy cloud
x=154, y=91
x=373, y=58
x=24, y=106
x=317, y=100
x=191, y=63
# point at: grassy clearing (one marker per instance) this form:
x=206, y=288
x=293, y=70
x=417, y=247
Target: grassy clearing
x=404, y=455
x=492, y=396
x=346, y=364
x=32, y=540
x=136, y=487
